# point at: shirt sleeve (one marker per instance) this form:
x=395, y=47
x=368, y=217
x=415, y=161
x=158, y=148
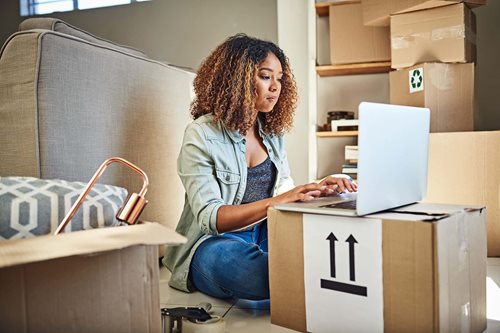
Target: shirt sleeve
x=285, y=182
x=196, y=169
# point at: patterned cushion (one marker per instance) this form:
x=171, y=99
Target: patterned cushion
x=31, y=206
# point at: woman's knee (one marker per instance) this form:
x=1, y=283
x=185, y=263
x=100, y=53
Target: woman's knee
x=235, y=266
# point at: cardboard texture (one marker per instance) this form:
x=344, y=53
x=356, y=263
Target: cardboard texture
x=434, y=268
x=351, y=41
x=472, y=158
x=100, y=280
x=291, y=309
x=443, y=34
x=377, y=12
x=446, y=89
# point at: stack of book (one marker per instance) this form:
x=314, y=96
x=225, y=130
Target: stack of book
x=351, y=162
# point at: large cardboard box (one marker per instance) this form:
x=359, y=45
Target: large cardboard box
x=420, y=269
x=464, y=168
x=377, y=12
x=100, y=280
x=443, y=34
x=446, y=89
x=351, y=41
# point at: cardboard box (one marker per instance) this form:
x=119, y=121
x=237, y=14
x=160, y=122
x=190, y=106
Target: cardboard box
x=464, y=168
x=443, y=34
x=351, y=41
x=100, y=280
x=421, y=269
x=446, y=89
x=377, y=12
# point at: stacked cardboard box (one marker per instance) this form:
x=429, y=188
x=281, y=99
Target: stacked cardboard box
x=417, y=269
x=353, y=42
x=377, y=12
x=433, y=51
x=464, y=168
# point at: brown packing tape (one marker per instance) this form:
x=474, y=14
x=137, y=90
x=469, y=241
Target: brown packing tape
x=286, y=257
x=478, y=263
x=438, y=34
x=453, y=32
x=409, y=278
x=460, y=270
x=457, y=31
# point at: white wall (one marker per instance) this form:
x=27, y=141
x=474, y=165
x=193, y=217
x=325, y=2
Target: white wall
x=181, y=32
x=296, y=38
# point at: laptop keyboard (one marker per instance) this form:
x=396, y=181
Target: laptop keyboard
x=342, y=205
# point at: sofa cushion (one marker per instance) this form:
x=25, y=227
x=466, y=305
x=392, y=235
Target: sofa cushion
x=65, y=28
x=31, y=206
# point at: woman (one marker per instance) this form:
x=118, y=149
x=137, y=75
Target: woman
x=233, y=167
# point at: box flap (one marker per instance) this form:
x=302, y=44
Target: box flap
x=21, y=251
x=439, y=3
x=423, y=212
x=435, y=209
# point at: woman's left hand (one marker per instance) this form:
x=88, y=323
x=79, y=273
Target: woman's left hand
x=339, y=184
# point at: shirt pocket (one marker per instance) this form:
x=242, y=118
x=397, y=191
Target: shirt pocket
x=228, y=177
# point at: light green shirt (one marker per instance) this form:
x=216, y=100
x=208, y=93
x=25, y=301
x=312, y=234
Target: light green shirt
x=213, y=169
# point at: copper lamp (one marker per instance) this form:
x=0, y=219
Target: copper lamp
x=131, y=209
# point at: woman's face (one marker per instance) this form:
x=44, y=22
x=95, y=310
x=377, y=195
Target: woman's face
x=268, y=83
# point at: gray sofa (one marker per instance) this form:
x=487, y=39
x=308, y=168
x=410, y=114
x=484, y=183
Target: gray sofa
x=70, y=100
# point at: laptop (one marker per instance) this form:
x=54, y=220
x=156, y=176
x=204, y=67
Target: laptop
x=393, y=145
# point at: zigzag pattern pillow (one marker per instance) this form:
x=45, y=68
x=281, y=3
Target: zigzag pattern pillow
x=31, y=206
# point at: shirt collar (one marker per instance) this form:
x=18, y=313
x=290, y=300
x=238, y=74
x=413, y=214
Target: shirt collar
x=236, y=136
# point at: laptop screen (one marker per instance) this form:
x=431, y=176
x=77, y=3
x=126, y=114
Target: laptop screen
x=393, y=152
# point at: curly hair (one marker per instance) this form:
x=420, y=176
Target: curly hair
x=225, y=86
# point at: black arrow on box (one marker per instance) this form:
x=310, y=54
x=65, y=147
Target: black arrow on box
x=332, y=240
x=351, y=240
x=340, y=286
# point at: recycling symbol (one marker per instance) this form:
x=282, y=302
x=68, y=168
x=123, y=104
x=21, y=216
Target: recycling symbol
x=416, y=80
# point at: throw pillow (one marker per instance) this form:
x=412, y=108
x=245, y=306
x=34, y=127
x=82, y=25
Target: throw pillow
x=32, y=206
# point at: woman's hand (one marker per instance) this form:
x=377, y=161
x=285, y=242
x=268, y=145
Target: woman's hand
x=234, y=217
x=340, y=184
x=306, y=192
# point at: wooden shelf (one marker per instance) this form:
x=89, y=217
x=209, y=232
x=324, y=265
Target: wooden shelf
x=322, y=8
x=329, y=134
x=354, y=69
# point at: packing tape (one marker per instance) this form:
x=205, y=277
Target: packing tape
x=211, y=327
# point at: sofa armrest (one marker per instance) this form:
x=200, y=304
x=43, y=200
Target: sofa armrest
x=54, y=24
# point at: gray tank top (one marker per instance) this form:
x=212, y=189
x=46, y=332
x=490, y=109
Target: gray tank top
x=260, y=181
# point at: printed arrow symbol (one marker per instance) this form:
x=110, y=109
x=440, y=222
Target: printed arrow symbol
x=332, y=240
x=351, y=240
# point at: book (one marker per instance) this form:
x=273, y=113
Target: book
x=350, y=168
x=351, y=153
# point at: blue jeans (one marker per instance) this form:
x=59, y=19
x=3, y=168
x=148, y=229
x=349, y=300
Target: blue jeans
x=233, y=265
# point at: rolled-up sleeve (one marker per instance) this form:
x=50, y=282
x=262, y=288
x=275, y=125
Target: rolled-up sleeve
x=196, y=169
x=285, y=181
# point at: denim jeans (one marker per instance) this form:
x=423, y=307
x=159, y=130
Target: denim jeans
x=233, y=265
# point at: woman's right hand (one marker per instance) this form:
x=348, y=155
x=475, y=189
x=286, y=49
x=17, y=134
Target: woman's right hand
x=306, y=192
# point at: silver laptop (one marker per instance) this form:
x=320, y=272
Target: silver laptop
x=393, y=145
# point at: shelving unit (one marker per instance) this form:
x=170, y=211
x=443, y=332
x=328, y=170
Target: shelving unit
x=329, y=134
x=354, y=69
x=337, y=87
x=322, y=7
